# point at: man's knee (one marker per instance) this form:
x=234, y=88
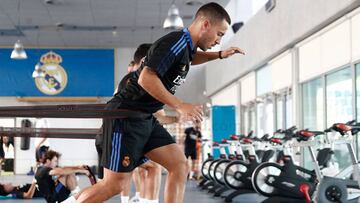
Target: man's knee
x=154, y=167
x=181, y=168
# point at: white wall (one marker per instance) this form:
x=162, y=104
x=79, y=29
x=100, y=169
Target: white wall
x=317, y=55
x=123, y=56
x=266, y=35
x=229, y=96
x=281, y=71
x=248, y=91
x=355, y=36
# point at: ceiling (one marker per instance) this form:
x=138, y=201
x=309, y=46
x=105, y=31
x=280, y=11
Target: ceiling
x=87, y=23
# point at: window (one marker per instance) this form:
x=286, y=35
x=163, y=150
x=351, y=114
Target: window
x=357, y=69
x=339, y=108
x=265, y=117
x=288, y=111
x=284, y=110
x=263, y=81
x=280, y=113
x=338, y=97
x=313, y=111
x=249, y=118
x=313, y=105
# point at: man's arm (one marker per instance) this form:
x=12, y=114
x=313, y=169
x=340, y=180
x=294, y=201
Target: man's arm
x=152, y=84
x=203, y=57
x=164, y=119
x=68, y=170
x=30, y=193
x=40, y=143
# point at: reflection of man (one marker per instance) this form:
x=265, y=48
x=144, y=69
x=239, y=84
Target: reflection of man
x=26, y=191
x=41, y=143
x=192, y=135
x=57, y=183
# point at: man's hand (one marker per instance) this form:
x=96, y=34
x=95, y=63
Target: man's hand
x=190, y=112
x=231, y=51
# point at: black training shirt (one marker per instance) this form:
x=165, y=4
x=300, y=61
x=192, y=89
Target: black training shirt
x=190, y=140
x=169, y=57
x=46, y=183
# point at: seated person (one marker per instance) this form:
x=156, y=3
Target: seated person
x=57, y=183
x=26, y=191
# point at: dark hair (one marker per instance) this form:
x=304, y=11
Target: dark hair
x=132, y=63
x=2, y=191
x=214, y=12
x=141, y=52
x=50, y=154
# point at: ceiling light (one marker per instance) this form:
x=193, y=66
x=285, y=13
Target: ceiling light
x=49, y=2
x=194, y=2
x=173, y=20
x=18, y=52
x=38, y=73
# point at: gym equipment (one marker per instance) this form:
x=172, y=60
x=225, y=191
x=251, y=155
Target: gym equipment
x=272, y=179
x=69, y=133
x=69, y=111
x=25, y=139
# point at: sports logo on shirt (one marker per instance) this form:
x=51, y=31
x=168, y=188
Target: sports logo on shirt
x=177, y=81
x=55, y=78
x=126, y=161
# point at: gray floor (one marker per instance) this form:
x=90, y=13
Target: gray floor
x=192, y=194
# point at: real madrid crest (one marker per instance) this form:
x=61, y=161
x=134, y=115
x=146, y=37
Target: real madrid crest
x=55, y=77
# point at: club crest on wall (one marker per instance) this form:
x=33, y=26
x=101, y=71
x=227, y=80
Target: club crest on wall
x=55, y=77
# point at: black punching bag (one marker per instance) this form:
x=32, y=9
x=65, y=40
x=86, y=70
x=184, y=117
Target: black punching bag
x=25, y=137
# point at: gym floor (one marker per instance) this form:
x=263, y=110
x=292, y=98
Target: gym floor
x=192, y=192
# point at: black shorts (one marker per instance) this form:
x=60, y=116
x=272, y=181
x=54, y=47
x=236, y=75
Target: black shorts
x=191, y=153
x=127, y=140
x=100, y=171
x=61, y=192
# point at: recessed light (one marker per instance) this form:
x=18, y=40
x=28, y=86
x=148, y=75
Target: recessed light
x=49, y=1
x=194, y=2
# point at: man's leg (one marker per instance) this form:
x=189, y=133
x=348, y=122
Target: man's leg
x=69, y=181
x=194, y=164
x=137, y=181
x=172, y=158
x=112, y=184
x=152, y=180
x=126, y=193
x=142, y=174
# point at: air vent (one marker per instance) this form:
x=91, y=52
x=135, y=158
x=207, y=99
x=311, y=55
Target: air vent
x=270, y=5
x=11, y=32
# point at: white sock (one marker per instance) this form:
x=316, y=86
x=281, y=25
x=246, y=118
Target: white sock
x=142, y=200
x=70, y=200
x=153, y=201
x=76, y=190
x=124, y=199
x=191, y=174
x=137, y=194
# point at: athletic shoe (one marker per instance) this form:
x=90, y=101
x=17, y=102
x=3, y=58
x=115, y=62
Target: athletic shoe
x=134, y=199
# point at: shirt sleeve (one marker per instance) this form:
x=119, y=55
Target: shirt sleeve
x=187, y=131
x=199, y=134
x=18, y=195
x=2, y=152
x=164, y=54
